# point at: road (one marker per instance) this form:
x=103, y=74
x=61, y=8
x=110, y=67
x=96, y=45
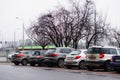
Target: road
x=11, y=72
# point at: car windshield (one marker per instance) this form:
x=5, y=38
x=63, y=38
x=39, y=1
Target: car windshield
x=26, y=52
x=75, y=52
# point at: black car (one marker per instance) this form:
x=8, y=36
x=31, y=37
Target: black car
x=37, y=58
x=116, y=63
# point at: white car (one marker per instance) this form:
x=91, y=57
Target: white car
x=99, y=57
x=76, y=59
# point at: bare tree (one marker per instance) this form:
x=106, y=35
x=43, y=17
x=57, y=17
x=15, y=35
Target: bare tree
x=63, y=26
x=95, y=27
x=37, y=37
x=115, y=35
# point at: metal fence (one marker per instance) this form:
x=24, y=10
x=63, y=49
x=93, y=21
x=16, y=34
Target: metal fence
x=4, y=52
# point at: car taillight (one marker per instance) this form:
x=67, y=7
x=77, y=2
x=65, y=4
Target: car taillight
x=102, y=55
x=38, y=56
x=20, y=55
x=54, y=55
x=77, y=57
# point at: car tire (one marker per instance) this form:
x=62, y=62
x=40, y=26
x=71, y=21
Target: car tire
x=60, y=63
x=89, y=68
x=108, y=67
x=81, y=65
x=32, y=64
x=16, y=63
x=68, y=67
x=24, y=62
x=39, y=64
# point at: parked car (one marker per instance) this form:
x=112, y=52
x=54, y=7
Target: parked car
x=76, y=59
x=116, y=63
x=11, y=54
x=22, y=57
x=56, y=56
x=100, y=57
x=37, y=58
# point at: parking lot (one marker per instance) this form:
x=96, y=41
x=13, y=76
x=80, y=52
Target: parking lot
x=97, y=72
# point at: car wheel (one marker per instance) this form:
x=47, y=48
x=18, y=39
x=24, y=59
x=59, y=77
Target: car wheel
x=24, y=62
x=39, y=64
x=89, y=68
x=108, y=67
x=68, y=67
x=32, y=64
x=82, y=65
x=16, y=63
x=60, y=63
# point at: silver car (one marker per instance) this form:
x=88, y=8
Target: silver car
x=22, y=57
x=76, y=59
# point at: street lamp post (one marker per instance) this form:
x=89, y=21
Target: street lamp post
x=23, y=32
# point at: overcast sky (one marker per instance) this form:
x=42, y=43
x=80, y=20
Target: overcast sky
x=29, y=10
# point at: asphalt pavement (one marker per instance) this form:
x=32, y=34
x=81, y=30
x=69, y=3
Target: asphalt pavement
x=11, y=72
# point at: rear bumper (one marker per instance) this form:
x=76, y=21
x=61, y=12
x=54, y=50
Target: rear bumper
x=71, y=63
x=37, y=61
x=50, y=60
x=115, y=65
x=95, y=63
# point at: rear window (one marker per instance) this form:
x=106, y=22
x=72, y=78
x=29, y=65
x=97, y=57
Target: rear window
x=75, y=52
x=102, y=50
x=26, y=52
x=65, y=50
x=94, y=50
x=50, y=51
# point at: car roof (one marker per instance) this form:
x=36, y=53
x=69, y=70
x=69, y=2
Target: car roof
x=65, y=47
x=104, y=47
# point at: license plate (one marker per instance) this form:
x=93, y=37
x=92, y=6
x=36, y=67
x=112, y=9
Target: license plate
x=92, y=57
x=69, y=58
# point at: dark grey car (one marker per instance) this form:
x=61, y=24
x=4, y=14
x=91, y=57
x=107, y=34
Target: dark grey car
x=22, y=57
x=56, y=56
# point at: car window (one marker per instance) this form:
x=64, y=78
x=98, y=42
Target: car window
x=113, y=51
x=75, y=52
x=37, y=53
x=65, y=50
x=119, y=51
x=109, y=51
x=94, y=50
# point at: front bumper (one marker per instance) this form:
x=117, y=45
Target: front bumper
x=15, y=60
x=115, y=65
